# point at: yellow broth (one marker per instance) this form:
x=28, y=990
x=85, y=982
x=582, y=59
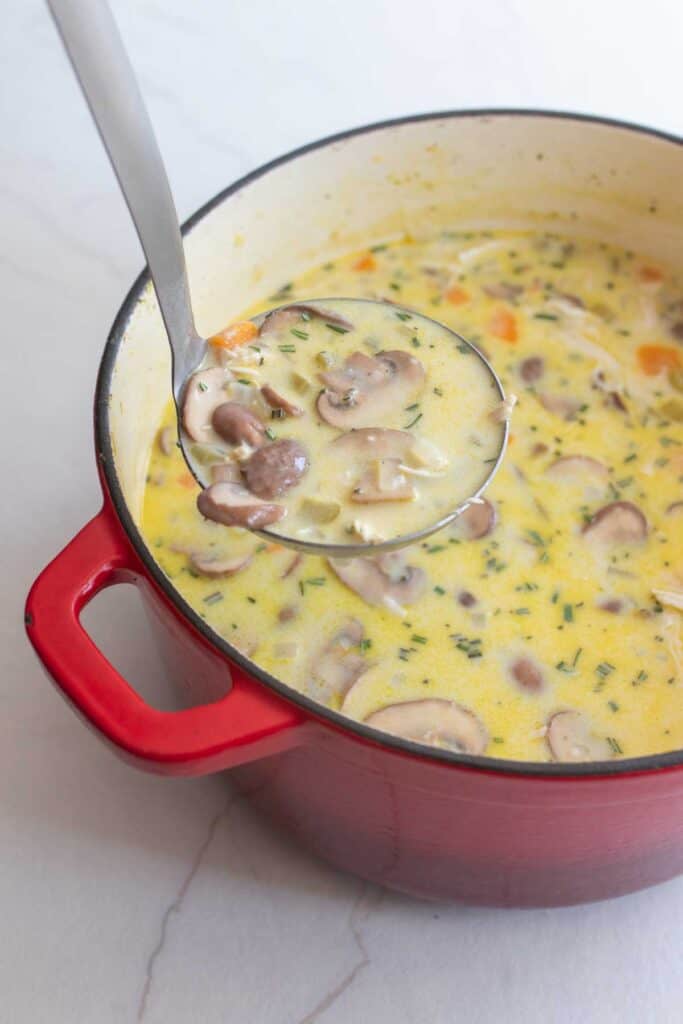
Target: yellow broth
x=598, y=622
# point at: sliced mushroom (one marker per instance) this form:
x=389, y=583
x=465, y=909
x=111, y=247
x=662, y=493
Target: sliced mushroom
x=574, y=469
x=539, y=449
x=527, y=674
x=466, y=599
x=204, y=392
x=226, y=473
x=383, y=581
x=478, y=520
x=503, y=290
x=232, y=505
x=373, y=443
x=434, y=721
x=384, y=481
x=560, y=405
x=279, y=402
x=339, y=664
x=620, y=522
x=216, y=565
x=286, y=315
x=238, y=425
x=532, y=369
x=370, y=388
x=570, y=739
x=675, y=509
x=276, y=468
x=165, y=441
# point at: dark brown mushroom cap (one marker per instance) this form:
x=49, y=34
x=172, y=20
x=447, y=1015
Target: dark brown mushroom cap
x=236, y=424
x=620, y=522
x=433, y=721
x=232, y=505
x=368, y=388
x=385, y=580
x=478, y=520
x=570, y=739
x=275, y=468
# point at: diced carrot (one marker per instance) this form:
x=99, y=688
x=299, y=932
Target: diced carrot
x=456, y=295
x=653, y=359
x=270, y=548
x=235, y=335
x=650, y=274
x=187, y=481
x=366, y=262
x=511, y=439
x=504, y=326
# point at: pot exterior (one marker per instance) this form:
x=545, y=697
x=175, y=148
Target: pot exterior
x=441, y=831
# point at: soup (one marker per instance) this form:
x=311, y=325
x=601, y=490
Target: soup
x=544, y=624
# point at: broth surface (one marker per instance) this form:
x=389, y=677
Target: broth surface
x=547, y=627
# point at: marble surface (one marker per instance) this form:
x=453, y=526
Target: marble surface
x=126, y=897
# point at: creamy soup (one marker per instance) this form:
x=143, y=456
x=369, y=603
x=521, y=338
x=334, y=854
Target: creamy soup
x=545, y=624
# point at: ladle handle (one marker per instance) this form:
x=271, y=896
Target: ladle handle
x=98, y=56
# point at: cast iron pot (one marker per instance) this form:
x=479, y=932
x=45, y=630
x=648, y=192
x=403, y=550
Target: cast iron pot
x=432, y=823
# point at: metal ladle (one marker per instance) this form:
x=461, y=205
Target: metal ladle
x=99, y=59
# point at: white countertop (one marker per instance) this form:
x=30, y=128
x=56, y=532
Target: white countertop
x=127, y=897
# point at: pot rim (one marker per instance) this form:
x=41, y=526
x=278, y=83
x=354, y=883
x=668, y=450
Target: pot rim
x=113, y=490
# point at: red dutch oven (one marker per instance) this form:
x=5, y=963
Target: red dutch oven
x=432, y=823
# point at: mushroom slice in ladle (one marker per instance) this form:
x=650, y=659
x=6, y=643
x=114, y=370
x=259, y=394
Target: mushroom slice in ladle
x=383, y=481
x=285, y=316
x=233, y=505
x=204, y=392
x=369, y=388
x=279, y=403
x=437, y=722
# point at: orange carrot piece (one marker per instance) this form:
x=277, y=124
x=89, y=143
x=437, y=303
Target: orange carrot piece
x=653, y=359
x=504, y=326
x=366, y=262
x=187, y=481
x=650, y=274
x=456, y=295
x=235, y=335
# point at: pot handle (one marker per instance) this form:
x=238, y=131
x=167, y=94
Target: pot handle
x=248, y=723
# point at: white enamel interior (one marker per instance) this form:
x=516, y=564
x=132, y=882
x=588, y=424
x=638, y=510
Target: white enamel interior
x=573, y=176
